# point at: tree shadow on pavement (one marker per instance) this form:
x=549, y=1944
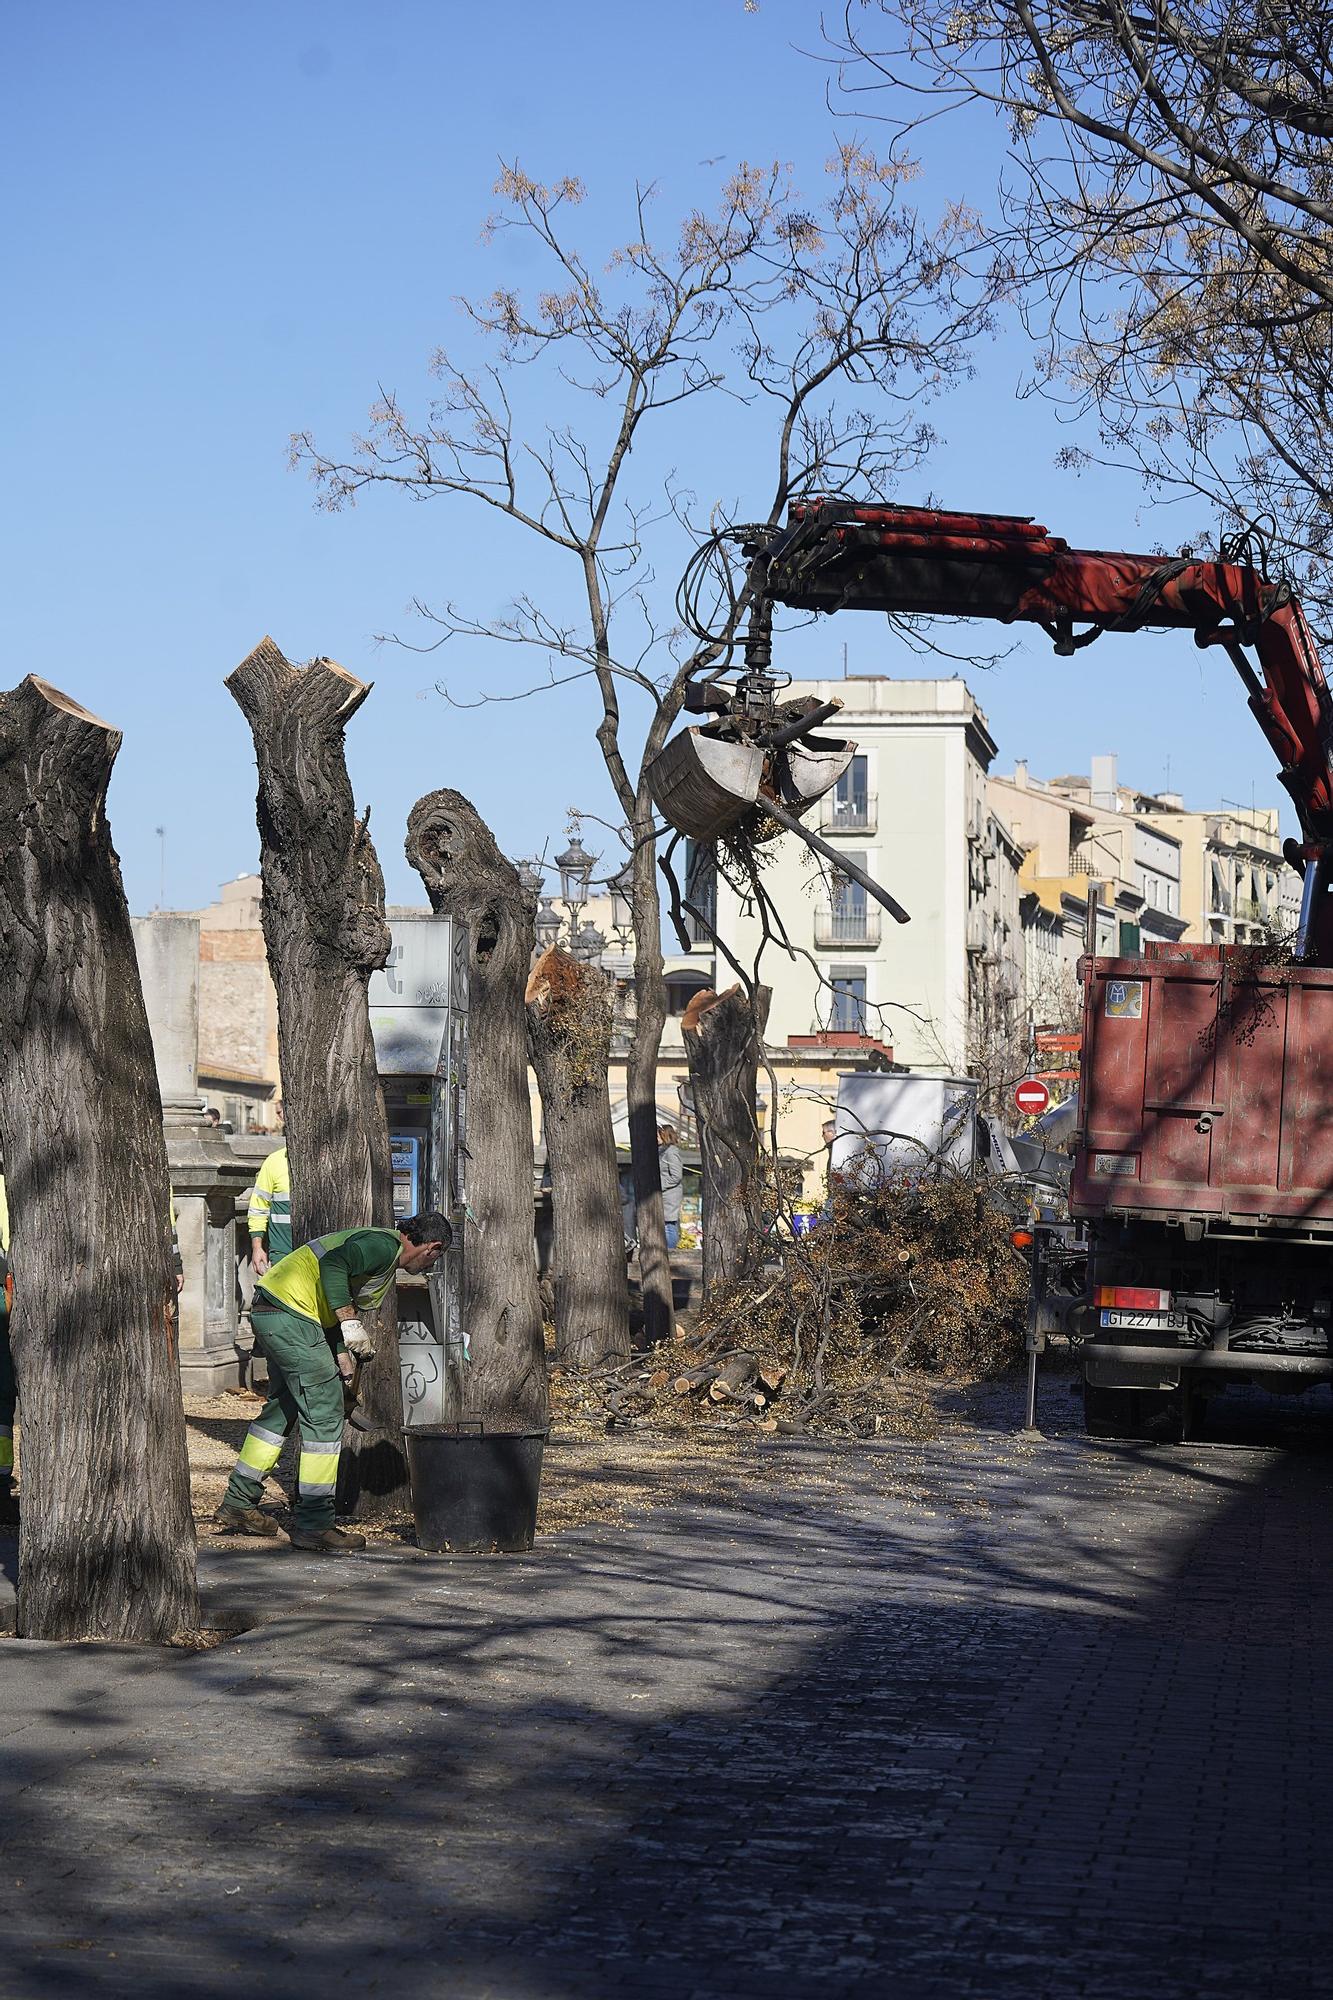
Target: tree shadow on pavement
x=1053, y=1725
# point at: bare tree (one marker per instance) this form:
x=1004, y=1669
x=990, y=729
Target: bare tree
x=325, y=933
x=107, y=1544
x=765, y=309
x=1172, y=223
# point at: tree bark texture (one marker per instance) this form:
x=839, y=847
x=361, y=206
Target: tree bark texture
x=503, y=1380
x=325, y=932
x=107, y=1546
x=723, y=1034
x=569, y=1045
x=650, y=1013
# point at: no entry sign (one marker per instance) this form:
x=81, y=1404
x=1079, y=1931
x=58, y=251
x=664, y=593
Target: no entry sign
x=1032, y=1096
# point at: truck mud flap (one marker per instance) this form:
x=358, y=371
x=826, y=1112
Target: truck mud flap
x=1130, y=1368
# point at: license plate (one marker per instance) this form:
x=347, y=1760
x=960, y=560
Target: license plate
x=1151, y=1322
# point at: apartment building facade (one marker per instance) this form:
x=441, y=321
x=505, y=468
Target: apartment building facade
x=913, y=813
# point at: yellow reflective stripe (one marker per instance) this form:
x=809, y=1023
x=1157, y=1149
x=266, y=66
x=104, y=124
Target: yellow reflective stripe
x=261, y=1451
x=319, y=1469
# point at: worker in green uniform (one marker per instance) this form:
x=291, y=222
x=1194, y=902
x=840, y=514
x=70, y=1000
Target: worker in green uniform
x=9, y=1506
x=307, y=1326
x=270, y=1215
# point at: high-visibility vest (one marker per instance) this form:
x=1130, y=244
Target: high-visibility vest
x=296, y=1285
x=270, y=1211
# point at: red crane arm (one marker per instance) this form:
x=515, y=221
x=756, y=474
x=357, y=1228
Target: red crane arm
x=833, y=556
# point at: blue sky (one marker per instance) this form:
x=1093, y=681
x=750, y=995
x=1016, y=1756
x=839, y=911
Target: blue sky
x=230, y=221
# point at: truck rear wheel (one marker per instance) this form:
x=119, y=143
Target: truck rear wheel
x=1155, y=1416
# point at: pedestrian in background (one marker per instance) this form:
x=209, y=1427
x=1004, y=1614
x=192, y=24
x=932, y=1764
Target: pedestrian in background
x=269, y=1220
x=671, y=1169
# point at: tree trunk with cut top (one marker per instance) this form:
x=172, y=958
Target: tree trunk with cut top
x=650, y=1013
x=325, y=932
x=502, y=1381
x=723, y=1036
x=569, y=1044
x=107, y=1547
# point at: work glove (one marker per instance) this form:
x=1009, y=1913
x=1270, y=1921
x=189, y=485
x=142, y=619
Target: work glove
x=346, y=1367
x=356, y=1340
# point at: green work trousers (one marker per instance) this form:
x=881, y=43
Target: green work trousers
x=306, y=1388
x=7, y=1401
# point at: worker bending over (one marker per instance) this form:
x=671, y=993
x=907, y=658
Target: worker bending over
x=307, y=1326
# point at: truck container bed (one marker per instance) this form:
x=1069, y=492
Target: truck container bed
x=1207, y=1090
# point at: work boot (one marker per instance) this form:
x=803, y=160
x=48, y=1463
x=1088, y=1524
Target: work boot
x=9, y=1507
x=326, y=1541
x=234, y=1520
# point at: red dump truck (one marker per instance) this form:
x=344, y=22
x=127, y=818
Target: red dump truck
x=1204, y=1164
x=1204, y=1173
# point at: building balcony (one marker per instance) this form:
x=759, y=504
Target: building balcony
x=847, y=926
x=1248, y=911
x=860, y=815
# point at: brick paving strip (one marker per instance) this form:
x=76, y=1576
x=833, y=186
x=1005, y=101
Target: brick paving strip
x=971, y=1717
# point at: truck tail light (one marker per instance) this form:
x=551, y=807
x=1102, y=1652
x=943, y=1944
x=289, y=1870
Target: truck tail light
x=1134, y=1298
x=1021, y=1239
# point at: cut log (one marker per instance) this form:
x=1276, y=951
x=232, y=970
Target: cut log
x=738, y=1372
x=723, y=1034
x=569, y=1046
x=107, y=1542
x=771, y=1376
x=503, y=1379
x=325, y=933
x=696, y=1378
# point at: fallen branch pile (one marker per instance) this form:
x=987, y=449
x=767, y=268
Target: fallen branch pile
x=895, y=1281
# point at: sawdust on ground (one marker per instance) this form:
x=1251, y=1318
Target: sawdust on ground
x=599, y=1467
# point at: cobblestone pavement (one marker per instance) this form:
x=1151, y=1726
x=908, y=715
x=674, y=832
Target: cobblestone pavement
x=977, y=1717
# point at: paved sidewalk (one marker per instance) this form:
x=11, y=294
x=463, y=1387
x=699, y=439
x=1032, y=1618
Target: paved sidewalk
x=977, y=1717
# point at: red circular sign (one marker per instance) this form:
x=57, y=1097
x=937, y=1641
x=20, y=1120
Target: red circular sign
x=1032, y=1096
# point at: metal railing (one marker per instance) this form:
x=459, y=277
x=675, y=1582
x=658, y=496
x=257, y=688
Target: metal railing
x=860, y=815
x=847, y=926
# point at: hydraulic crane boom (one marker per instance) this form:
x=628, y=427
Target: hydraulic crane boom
x=834, y=555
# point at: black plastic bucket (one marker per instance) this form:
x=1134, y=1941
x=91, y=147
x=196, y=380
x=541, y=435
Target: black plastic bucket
x=474, y=1491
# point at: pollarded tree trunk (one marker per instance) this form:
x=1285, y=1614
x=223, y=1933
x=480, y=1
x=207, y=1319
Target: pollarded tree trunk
x=325, y=931
x=503, y=1382
x=107, y=1545
x=723, y=1033
x=569, y=1045
x=650, y=1013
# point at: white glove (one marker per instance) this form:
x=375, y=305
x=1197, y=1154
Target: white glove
x=356, y=1340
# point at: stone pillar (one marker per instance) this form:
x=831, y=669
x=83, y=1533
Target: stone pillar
x=206, y=1178
x=168, y=953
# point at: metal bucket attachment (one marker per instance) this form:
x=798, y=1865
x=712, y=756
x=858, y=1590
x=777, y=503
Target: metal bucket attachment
x=704, y=784
x=808, y=768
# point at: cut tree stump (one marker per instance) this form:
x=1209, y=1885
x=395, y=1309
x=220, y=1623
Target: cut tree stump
x=569, y=1045
x=723, y=1034
x=325, y=931
x=468, y=879
x=107, y=1544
